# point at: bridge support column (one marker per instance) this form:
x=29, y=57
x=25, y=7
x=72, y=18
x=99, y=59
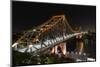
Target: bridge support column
x=80, y=44
x=59, y=49
x=64, y=48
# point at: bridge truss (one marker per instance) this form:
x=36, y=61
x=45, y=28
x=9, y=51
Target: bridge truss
x=45, y=36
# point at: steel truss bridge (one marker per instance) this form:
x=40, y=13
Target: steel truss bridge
x=46, y=36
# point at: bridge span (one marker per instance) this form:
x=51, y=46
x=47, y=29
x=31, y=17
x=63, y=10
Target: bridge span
x=46, y=36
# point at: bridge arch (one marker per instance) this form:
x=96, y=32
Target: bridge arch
x=46, y=36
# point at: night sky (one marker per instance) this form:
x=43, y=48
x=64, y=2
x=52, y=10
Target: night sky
x=26, y=15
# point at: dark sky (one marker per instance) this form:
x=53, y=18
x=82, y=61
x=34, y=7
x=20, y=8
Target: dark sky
x=26, y=15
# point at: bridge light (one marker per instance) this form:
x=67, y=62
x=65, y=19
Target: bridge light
x=67, y=52
x=55, y=40
x=34, y=30
x=47, y=25
x=65, y=37
x=80, y=53
x=80, y=36
x=76, y=53
x=53, y=50
x=14, y=44
x=37, y=40
x=30, y=46
x=41, y=29
x=72, y=52
x=46, y=43
x=84, y=54
x=90, y=59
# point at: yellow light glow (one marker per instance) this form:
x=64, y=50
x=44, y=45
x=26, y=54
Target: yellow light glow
x=34, y=29
x=30, y=46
